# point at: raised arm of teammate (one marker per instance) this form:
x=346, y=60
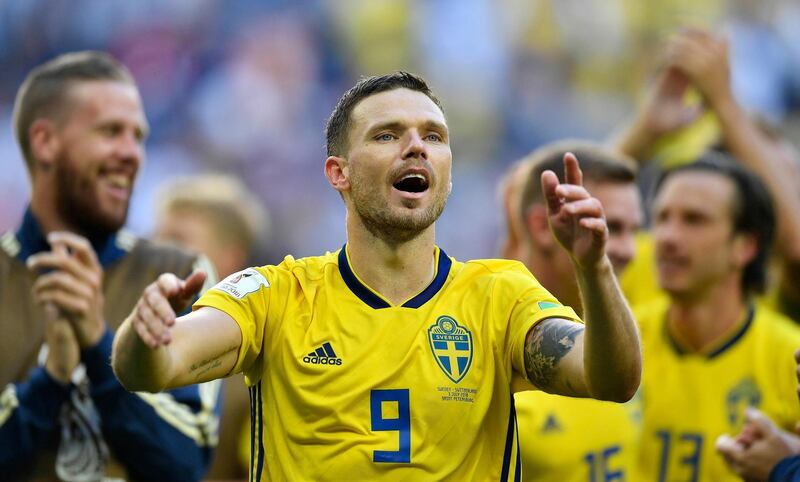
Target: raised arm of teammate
x=603, y=360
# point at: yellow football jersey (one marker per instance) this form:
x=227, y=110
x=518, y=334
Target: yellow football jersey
x=689, y=399
x=347, y=386
x=577, y=439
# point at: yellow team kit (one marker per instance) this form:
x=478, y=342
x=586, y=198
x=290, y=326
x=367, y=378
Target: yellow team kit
x=347, y=386
x=689, y=399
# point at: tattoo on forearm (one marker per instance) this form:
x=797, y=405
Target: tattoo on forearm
x=209, y=364
x=547, y=343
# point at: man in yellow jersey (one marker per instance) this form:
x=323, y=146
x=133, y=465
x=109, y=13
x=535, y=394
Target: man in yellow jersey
x=710, y=351
x=581, y=440
x=388, y=360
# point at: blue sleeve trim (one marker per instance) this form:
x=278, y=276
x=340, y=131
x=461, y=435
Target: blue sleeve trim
x=42, y=396
x=787, y=470
x=98, y=365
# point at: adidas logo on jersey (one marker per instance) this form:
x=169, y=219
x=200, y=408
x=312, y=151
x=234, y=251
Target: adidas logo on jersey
x=323, y=355
x=551, y=424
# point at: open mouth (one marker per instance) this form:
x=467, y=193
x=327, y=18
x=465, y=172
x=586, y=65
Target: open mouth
x=412, y=182
x=118, y=185
x=119, y=181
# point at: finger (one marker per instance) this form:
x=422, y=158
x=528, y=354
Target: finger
x=154, y=325
x=79, y=246
x=572, y=170
x=596, y=225
x=797, y=359
x=549, y=184
x=760, y=423
x=683, y=52
x=589, y=207
x=169, y=284
x=672, y=83
x=571, y=192
x=193, y=284
x=728, y=447
x=63, y=281
x=160, y=306
x=141, y=328
x=58, y=260
x=64, y=301
x=747, y=436
x=51, y=313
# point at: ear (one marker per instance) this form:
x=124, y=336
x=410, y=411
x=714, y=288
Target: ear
x=337, y=171
x=745, y=248
x=45, y=142
x=538, y=227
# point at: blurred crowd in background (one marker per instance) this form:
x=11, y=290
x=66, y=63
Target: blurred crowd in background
x=245, y=87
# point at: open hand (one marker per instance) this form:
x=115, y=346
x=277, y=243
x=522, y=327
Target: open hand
x=576, y=218
x=704, y=59
x=155, y=313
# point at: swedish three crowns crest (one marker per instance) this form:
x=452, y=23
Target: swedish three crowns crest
x=451, y=346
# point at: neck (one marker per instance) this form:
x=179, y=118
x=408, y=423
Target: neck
x=396, y=271
x=701, y=322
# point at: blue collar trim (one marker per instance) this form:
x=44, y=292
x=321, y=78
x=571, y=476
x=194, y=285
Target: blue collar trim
x=376, y=302
x=32, y=240
x=728, y=344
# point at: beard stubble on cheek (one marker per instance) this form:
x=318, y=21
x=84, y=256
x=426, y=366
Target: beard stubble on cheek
x=78, y=203
x=388, y=224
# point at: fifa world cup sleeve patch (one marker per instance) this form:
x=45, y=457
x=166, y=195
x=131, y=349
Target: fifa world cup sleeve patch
x=242, y=283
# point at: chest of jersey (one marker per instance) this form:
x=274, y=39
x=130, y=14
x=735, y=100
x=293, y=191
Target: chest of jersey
x=385, y=385
x=689, y=400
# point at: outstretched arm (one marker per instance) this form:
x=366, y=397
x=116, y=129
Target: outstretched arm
x=154, y=351
x=604, y=359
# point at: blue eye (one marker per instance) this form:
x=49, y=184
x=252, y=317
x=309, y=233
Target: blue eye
x=385, y=137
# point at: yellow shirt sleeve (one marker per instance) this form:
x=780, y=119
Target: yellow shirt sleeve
x=245, y=297
x=530, y=303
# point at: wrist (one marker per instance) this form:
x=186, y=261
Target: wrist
x=92, y=336
x=60, y=373
x=721, y=101
x=594, y=269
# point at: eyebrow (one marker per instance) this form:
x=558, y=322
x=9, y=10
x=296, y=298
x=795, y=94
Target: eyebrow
x=399, y=126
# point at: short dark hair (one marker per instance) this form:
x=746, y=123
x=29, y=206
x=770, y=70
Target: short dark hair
x=338, y=125
x=752, y=208
x=44, y=91
x=598, y=164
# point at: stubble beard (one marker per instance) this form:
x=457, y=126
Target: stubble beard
x=78, y=207
x=391, y=227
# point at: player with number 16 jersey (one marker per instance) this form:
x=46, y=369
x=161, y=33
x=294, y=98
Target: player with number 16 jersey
x=346, y=386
